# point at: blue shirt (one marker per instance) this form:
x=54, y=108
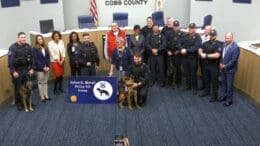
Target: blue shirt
x=122, y=58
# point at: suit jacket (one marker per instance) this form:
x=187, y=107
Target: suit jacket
x=231, y=58
x=136, y=45
x=41, y=61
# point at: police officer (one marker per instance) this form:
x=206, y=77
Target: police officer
x=168, y=28
x=204, y=38
x=140, y=72
x=20, y=61
x=173, y=51
x=210, y=55
x=156, y=43
x=191, y=42
x=145, y=31
x=88, y=57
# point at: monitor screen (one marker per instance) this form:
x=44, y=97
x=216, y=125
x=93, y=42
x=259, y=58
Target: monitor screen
x=46, y=26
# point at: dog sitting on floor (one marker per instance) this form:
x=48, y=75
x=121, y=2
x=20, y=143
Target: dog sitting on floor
x=127, y=83
x=25, y=92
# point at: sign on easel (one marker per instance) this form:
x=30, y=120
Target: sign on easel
x=92, y=90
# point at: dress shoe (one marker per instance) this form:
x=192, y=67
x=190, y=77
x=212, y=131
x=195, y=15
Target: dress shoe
x=201, y=88
x=151, y=83
x=186, y=88
x=162, y=84
x=57, y=93
x=194, y=92
x=43, y=100
x=61, y=90
x=48, y=98
x=222, y=99
x=213, y=99
x=203, y=94
x=228, y=103
x=19, y=107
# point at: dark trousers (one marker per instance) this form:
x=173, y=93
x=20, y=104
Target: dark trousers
x=210, y=76
x=157, y=68
x=227, y=85
x=75, y=69
x=58, y=81
x=142, y=94
x=202, y=73
x=88, y=70
x=18, y=83
x=177, y=63
x=190, y=67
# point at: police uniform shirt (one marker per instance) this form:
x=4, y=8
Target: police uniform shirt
x=19, y=56
x=173, y=40
x=145, y=31
x=89, y=53
x=210, y=47
x=191, y=43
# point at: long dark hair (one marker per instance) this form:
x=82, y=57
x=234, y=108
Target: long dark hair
x=70, y=37
x=40, y=46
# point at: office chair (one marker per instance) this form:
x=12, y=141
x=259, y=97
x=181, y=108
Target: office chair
x=207, y=20
x=46, y=26
x=121, y=18
x=158, y=18
x=85, y=21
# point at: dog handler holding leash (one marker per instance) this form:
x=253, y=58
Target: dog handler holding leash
x=20, y=63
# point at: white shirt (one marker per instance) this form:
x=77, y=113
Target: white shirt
x=204, y=38
x=56, y=49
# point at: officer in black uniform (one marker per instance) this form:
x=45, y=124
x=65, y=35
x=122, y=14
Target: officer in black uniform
x=210, y=54
x=191, y=42
x=20, y=64
x=140, y=72
x=145, y=31
x=156, y=43
x=88, y=57
x=173, y=50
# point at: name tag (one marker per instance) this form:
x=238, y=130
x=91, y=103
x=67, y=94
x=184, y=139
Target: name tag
x=121, y=68
x=73, y=49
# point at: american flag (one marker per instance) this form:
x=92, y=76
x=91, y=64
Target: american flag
x=93, y=11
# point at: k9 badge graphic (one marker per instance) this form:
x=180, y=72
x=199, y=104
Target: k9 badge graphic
x=103, y=90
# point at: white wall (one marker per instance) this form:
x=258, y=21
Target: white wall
x=26, y=18
x=241, y=19
x=136, y=14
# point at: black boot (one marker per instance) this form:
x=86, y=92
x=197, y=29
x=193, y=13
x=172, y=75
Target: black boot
x=60, y=84
x=55, y=91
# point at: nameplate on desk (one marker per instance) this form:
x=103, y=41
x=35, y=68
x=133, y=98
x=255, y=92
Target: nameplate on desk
x=96, y=90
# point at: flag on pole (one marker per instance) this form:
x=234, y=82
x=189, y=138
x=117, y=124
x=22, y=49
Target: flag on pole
x=93, y=11
x=158, y=5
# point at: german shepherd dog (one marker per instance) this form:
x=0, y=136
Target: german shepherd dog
x=25, y=92
x=131, y=92
x=170, y=73
x=101, y=91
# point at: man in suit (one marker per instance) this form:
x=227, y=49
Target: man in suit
x=228, y=67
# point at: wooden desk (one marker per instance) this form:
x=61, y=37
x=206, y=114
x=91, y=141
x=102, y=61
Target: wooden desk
x=6, y=89
x=247, y=78
x=95, y=36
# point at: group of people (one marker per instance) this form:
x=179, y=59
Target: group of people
x=24, y=61
x=187, y=52
x=146, y=56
